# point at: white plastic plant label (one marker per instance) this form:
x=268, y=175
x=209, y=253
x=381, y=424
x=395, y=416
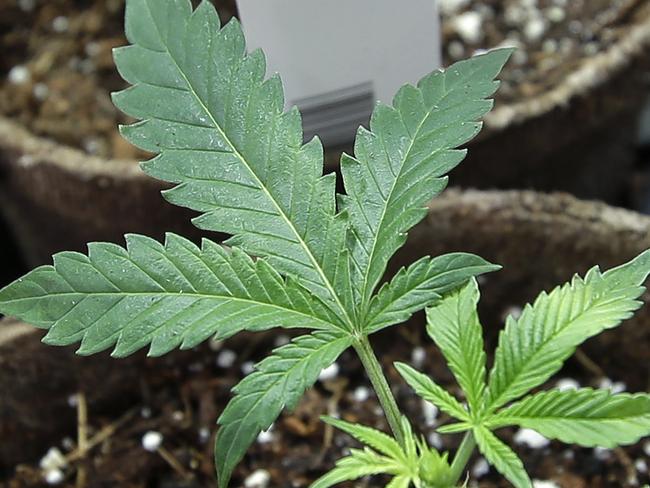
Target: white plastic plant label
x=337, y=57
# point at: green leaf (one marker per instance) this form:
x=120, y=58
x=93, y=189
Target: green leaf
x=427, y=389
x=534, y=346
x=502, y=457
x=413, y=462
x=454, y=326
x=455, y=428
x=399, y=482
x=376, y=439
x=358, y=464
x=399, y=163
x=278, y=382
x=167, y=296
x=585, y=417
x=420, y=285
x=222, y=137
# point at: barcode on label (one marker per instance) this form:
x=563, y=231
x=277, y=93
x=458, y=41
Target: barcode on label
x=335, y=116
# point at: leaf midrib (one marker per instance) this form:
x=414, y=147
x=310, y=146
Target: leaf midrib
x=366, y=294
x=516, y=419
x=236, y=152
x=198, y=296
x=300, y=363
x=475, y=367
x=602, y=300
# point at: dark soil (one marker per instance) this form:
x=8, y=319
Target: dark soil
x=183, y=402
x=62, y=49
x=65, y=47
x=553, y=37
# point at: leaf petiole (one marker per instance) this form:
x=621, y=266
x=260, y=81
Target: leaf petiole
x=462, y=456
x=386, y=399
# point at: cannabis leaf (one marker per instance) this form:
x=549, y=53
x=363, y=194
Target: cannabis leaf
x=585, y=417
x=501, y=457
x=414, y=462
x=420, y=285
x=358, y=464
x=167, y=296
x=278, y=382
x=530, y=350
x=224, y=140
x=398, y=164
x=426, y=388
x=534, y=346
x=454, y=326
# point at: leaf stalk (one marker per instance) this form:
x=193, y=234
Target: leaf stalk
x=462, y=456
x=380, y=384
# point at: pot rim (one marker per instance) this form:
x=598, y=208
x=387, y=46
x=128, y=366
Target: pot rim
x=593, y=72
x=12, y=329
x=537, y=206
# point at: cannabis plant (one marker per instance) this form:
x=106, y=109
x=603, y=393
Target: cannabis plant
x=302, y=257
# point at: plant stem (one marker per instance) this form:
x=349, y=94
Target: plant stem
x=379, y=383
x=462, y=457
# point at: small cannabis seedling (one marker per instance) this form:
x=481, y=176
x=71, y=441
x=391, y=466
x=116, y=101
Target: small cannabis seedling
x=233, y=154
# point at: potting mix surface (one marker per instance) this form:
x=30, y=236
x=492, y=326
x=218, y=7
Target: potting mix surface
x=56, y=71
x=176, y=409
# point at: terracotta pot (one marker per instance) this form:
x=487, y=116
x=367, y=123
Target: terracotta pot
x=540, y=239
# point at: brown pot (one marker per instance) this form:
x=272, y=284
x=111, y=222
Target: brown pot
x=580, y=136
x=540, y=239
x=577, y=137
x=56, y=198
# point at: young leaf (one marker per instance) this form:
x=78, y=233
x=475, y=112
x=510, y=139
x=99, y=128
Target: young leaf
x=358, y=464
x=278, y=382
x=167, y=296
x=455, y=428
x=454, y=326
x=373, y=438
x=222, y=137
x=427, y=389
x=399, y=482
x=585, y=417
x=421, y=285
x=534, y=346
x=399, y=163
x=501, y=457
x=414, y=462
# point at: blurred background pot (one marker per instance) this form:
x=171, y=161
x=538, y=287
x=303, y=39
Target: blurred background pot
x=55, y=197
x=580, y=134
x=541, y=240
x=571, y=129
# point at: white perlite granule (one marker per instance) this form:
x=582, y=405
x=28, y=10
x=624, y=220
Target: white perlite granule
x=566, y=384
x=152, y=440
x=480, y=468
x=53, y=476
x=469, y=27
x=226, y=358
x=19, y=75
x=361, y=394
x=258, y=479
x=530, y=438
x=545, y=484
x=53, y=459
x=329, y=373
